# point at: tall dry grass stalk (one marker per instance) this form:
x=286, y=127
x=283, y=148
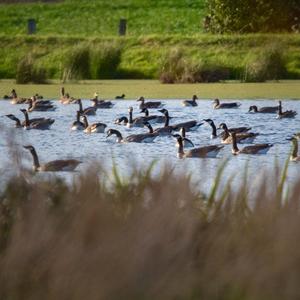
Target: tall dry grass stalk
x=147, y=238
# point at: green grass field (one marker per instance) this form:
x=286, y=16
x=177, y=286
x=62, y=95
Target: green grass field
x=94, y=18
x=153, y=89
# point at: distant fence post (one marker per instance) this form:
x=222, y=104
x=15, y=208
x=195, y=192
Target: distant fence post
x=122, y=26
x=31, y=26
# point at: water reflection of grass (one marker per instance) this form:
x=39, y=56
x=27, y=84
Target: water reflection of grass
x=145, y=237
x=154, y=89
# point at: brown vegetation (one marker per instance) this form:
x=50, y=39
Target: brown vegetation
x=147, y=238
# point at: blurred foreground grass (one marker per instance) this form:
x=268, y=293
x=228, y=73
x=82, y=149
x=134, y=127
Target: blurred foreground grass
x=145, y=237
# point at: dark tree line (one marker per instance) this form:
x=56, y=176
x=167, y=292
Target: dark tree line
x=225, y=16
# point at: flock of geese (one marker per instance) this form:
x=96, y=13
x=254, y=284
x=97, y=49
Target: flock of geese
x=233, y=136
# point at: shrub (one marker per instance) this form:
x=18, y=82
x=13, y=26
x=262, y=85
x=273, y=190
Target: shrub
x=106, y=59
x=267, y=65
x=77, y=63
x=176, y=68
x=252, y=16
x=28, y=72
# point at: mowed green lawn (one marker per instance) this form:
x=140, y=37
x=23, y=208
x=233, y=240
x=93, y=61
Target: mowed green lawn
x=108, y=89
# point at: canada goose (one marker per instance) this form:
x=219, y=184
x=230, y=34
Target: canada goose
x=52, y=166
x=149, y=104
x=77, y=125
x=235, y=129
x=253, y=149
x=213, y=128
x=65, y=97
x=201, y=152
x=93, y=128
x=120, y=97
x=121, y=120
x=101, y=103
x=38, y=123
x=285, y=114
x=264, y=110
x=89, y=111
x=297, y=135
x=38, y=102
x=167, y=129
x=294, y=155
x=15, y=99
x=218, y=105
x=134, y=138
x=241, y=137
x=18, y=123
x=188, y=126
x=186, y=142
x=190, y=102
x=152, y=118
x=35, y=106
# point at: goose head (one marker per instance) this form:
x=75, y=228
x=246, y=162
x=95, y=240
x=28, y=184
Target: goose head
x=163, y=111
x=142, y=99
x=194, y=97
x=252, y=108
x=223, y=126
x=216, y=101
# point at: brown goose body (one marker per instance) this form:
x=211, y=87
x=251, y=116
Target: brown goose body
x=167, y=129
x=253, y=149
x=93, y=128
x=66, y=165
x=37, y=123
x=89, y=111
x=210, y=151
x=285, y=114
x=101, y=103
x=149, y=104
x=192, y=102
x=35, y=105
x=241, y=136
x=218, y=105
x=134, y=138
x=264, y=110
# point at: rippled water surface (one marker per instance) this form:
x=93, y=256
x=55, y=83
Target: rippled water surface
x=59, y=142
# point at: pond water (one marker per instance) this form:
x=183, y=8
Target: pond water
x=60, y=142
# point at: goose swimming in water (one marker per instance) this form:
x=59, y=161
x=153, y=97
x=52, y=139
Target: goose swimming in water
x=201, y=152
x=18, y=123
x=285, y=114
x=101, y=103
x=121, y=121
x=153, y=118
x=77, y=125
x=213, y=128
x=37, y=123
x=190, y=102
x=149, y=104
x=294, y=155
x=253, y=149
x=15, y=99
x=65, y=97
x=167, y=129
x=89, y=111
x=235, y=129
x=264, y=110
x=93, y=128
x=218, y=105
x=35, y=105
x=52, y=166
x=185, y=141
x=120, y=97
x=241, y=137
x=134, y=138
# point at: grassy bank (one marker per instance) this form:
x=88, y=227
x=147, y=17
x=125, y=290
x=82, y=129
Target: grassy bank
x=105, y=237
x=154, y=89
x=144, y=57
x=94, y=18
